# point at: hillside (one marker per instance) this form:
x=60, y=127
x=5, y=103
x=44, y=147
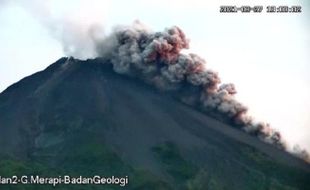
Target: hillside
x=81, y=118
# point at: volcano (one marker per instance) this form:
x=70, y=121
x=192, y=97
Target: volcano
x=81, y=118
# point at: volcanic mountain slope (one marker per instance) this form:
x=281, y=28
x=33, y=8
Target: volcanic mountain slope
x=81, y=118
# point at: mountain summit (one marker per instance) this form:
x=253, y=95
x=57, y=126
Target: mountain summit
x=82, y=118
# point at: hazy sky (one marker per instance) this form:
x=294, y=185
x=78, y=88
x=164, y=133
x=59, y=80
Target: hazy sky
x=266, y=55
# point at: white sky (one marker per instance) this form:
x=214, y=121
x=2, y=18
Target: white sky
x=265, y=55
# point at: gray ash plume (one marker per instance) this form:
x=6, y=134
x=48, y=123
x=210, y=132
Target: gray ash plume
x=156, y=58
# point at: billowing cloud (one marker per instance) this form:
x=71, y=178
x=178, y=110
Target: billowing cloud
x=156, y=58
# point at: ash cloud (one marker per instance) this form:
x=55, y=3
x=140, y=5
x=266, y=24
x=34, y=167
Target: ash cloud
x=156, y=58
x=301, y=153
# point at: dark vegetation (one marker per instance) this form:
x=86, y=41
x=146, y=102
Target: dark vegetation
x=79, y=118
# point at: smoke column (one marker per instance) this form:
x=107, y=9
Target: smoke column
x=73, y=23
x=156, y=58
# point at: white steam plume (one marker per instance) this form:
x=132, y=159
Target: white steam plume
x=74, y=23
x=152, y=56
